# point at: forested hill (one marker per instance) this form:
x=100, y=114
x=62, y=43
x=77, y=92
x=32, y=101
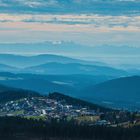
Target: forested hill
x=76, y=102
x=11, y=94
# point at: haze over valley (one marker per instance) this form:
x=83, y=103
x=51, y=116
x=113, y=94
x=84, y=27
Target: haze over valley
x=47, y=73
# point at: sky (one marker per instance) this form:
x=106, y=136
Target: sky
x=90, y=22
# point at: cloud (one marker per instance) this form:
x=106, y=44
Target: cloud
x=103, y=7
x=37, y=3
x=85, y=21
x=96, y=21
x=31, y=3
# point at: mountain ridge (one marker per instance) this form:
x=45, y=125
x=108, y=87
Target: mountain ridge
x=75, y=68
x=121, y=92
x=27, y=61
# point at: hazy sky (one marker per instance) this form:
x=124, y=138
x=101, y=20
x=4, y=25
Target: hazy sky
x=82, y=21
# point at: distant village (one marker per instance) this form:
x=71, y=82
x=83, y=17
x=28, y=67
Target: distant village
x=45, y=108
x=38, y=106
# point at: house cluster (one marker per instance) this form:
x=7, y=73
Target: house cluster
x=49, y=108
x=39, y=106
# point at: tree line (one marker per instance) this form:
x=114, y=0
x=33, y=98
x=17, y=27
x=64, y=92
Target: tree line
x=16, y=128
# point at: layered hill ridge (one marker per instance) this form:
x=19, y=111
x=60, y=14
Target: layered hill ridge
x=28, y=61
x=67, y=84
x=122, y=91
x=75, y=68
x=56, y=65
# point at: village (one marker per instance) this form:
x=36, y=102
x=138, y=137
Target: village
x=38, y=106
x=45, y=108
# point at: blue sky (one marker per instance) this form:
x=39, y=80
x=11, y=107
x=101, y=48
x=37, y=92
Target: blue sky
x=90, y=22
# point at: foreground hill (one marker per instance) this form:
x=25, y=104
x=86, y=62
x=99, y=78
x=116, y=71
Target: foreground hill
x=122, y=92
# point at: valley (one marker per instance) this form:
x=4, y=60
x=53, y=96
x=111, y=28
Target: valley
x=92, y=81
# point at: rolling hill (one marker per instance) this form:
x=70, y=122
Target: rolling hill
x=55, y=64
x=74, y=68
x=75, y=101
x=68, y=84
x=6, y=68
x=115, y=55
x=28, y=61
x=10, y=94
x=122, y=92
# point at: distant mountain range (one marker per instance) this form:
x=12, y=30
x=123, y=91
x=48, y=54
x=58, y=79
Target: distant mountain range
x=28, y=61
x=68, y=48
x=56, y=65
x=116, y=55
x=74, y=68
x=121, y=92
x=6, y=68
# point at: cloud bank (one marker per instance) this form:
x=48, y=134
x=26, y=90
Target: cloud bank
x=104, y=7
x=82, y=21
